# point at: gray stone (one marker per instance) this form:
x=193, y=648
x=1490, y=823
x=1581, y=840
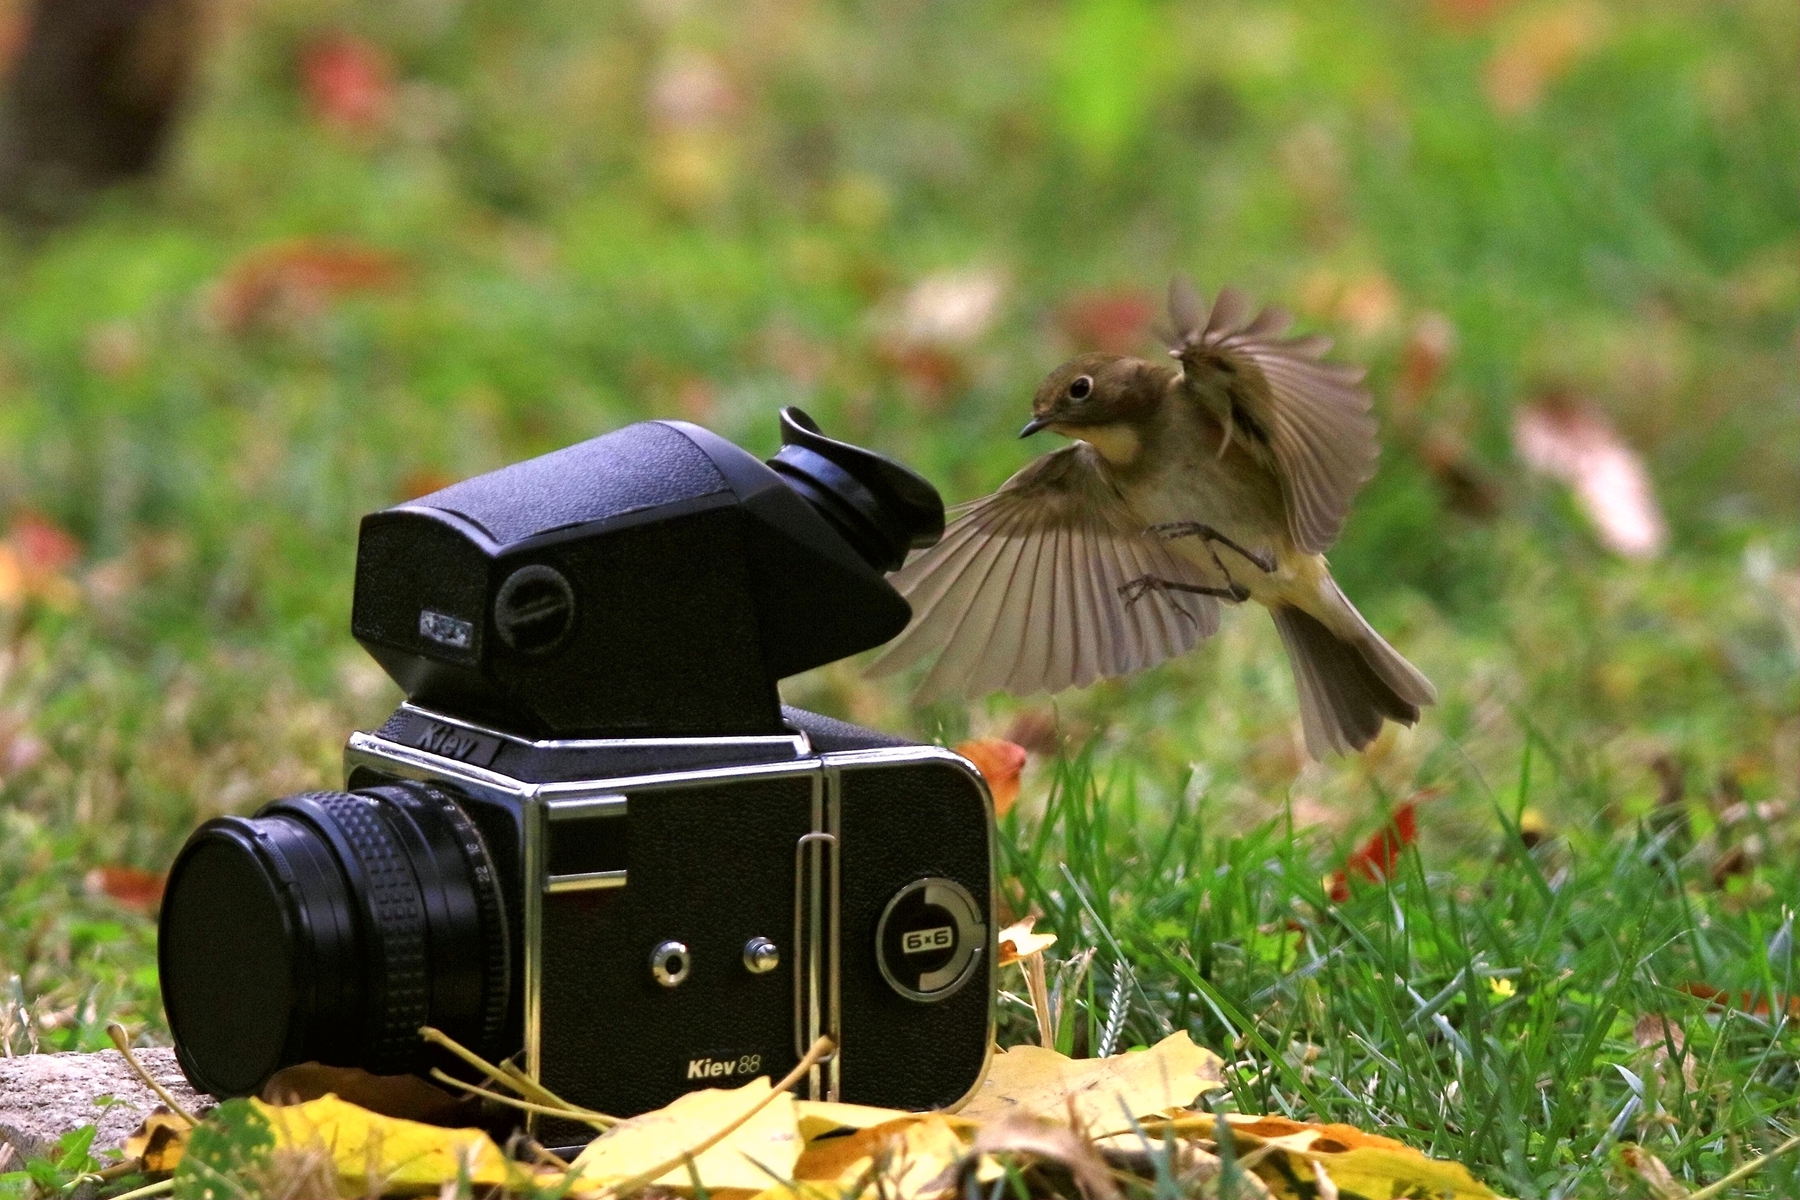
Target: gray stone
x=43, y=1096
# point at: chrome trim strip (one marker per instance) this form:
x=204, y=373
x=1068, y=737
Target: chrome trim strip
x=809, y=903
x=366, y=749
x=535, y=885
x=801, y=744
x=647, y=783
x=834, y=828
x=583, y=808
x=587, y=881
x=413, y=763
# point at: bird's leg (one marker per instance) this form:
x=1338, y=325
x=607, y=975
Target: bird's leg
x=1143, y=585
x=1170, y=530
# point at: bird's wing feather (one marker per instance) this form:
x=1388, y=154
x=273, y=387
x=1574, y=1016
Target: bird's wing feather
x=1023, y=592
x=1314, y=413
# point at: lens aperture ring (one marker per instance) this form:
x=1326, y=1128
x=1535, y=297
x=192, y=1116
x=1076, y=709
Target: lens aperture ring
x=397, y=929
x=496, y=947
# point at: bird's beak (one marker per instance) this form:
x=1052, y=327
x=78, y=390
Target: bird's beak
x=1032, y=426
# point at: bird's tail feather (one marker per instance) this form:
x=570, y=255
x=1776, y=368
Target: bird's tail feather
x=1347, y=686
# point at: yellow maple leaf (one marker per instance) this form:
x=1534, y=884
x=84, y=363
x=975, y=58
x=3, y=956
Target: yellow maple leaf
x=376, y=1154
x=764, y=1147
x=1103, y=1091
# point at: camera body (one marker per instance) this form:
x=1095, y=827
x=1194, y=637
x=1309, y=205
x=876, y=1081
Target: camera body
x=593, y=837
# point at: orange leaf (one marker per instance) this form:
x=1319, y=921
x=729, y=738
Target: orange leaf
x=1744, y=1002
x=298, y=277
x=1000, y=762
x=1540, y=50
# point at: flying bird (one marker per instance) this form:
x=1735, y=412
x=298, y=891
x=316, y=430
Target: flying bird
x=1222, y=476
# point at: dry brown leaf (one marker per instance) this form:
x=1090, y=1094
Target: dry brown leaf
x=1565, y=439
x=914, y=1155
x=376, y=1154
x=1017, y=942
x=1651, y=1172
x=1657, y=1034
x=1046, y=1140
x=766, y=1145
x=1100, y=1093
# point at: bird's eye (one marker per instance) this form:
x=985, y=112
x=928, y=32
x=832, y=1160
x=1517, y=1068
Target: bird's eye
x=1081, y=387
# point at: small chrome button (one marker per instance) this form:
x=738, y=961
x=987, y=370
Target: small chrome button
x=761, y=956
x=670, y=963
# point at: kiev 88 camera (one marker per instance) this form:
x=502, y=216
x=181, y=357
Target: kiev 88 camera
x=592, y=836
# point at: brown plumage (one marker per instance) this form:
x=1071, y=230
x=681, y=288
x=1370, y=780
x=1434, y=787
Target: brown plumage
x=1223, y=478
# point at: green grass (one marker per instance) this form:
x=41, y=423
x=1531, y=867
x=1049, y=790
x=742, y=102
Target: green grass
x=1484, y=1013
x=571, y=261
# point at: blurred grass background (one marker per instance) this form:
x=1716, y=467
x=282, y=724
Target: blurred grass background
x=398, y=244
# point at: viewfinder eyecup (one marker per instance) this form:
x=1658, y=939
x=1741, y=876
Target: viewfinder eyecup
x=878, y=506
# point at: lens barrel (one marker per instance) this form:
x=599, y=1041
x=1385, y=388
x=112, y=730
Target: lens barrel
x=329, y=927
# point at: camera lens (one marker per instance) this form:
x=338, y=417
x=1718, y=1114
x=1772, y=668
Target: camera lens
x=328, y=928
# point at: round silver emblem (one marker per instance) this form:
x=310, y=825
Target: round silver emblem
x=930, y=939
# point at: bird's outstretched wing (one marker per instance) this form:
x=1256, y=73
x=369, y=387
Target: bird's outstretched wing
x=1023, y=594
x=1312, y=415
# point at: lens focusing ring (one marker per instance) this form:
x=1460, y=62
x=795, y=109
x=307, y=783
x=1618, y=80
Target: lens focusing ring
x=398, y=1000
x=490, y=909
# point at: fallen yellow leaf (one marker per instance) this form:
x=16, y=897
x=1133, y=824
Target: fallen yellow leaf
x=1283, y=1154
x=1103, y=1091
x=912, y=1154
x=159, y=1142
x=817, y=1118
x=376, y=1154
x=764, y=1148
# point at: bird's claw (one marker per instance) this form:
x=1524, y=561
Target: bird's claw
x=1143, y=585
x=1168, y=531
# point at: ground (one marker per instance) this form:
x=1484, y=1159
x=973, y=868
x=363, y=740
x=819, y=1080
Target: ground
x=397, y=245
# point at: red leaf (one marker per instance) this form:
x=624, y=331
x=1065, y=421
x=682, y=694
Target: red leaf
x=42, y=545
x=1377, y=856
x=1111, y=322
x=348, y=82
x=133, y=887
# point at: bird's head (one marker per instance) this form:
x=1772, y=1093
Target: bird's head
x=1102, y=399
